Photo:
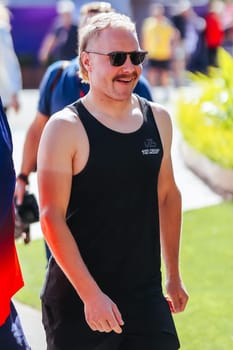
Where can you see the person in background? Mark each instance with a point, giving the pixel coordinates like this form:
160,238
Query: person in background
92,8
179,57
191,28
61,42
158,38
10,72
12,336
110,205
60,86
214,32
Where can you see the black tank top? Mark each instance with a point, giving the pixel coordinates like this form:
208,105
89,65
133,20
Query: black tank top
113,208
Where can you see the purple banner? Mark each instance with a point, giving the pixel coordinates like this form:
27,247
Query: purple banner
29,26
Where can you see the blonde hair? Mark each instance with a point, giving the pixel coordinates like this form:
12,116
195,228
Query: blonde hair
95,26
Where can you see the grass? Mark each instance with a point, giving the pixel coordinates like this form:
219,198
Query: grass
206,261
33,264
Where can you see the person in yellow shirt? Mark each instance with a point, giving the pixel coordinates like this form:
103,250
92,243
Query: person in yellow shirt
158,38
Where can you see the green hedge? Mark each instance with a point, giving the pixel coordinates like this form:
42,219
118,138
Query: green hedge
204,112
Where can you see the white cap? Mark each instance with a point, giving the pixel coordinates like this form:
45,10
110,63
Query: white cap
180,7
65,6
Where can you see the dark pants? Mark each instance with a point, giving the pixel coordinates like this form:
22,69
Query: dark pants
212,56
162,341
148,326
12,336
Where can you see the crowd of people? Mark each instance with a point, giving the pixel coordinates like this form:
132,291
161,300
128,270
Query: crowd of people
117,213
180,40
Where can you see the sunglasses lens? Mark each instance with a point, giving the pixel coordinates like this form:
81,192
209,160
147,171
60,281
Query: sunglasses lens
117,58
137,57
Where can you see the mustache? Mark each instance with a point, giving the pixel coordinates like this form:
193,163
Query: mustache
126,76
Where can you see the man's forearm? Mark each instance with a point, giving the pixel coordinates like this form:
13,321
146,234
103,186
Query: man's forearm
29,159
31,144
170,226
29,155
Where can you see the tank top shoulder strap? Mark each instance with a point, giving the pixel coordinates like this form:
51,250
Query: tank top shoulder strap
146,108
78,109
148,115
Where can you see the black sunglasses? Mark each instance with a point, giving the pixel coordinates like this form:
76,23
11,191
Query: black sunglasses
118,58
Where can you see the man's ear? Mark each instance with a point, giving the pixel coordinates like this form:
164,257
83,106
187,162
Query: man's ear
85,58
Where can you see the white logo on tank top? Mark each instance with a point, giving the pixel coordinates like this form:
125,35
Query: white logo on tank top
150,147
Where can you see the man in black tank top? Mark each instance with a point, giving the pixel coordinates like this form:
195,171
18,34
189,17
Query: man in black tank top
109,206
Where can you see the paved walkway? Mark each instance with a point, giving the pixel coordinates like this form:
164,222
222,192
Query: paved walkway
194,192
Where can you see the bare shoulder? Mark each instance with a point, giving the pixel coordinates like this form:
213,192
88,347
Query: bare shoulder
161,114
162,117
65,136
63,123
64,116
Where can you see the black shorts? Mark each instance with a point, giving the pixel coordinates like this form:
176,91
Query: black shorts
148,326
160,64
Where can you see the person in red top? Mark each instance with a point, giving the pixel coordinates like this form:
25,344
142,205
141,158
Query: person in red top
213,32
11,333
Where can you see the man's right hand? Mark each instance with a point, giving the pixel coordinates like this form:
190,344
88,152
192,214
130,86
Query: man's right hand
102,314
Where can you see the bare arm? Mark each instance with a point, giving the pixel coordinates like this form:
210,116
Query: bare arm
170,218
30,153
47,47
55,171
15,104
